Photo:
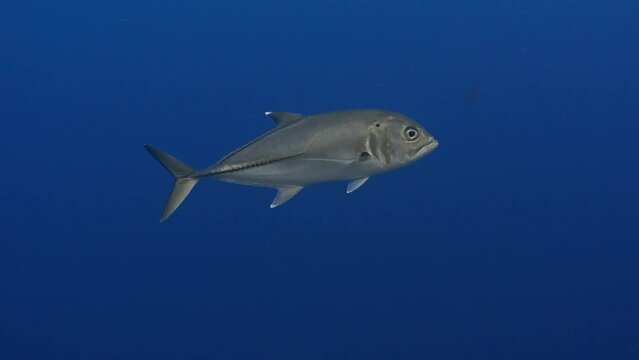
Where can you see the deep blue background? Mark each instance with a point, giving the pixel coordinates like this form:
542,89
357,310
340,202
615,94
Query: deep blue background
517,239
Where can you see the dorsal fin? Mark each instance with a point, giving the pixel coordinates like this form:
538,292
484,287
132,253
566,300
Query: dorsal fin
282,117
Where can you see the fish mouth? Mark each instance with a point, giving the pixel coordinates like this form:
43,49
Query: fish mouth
427,148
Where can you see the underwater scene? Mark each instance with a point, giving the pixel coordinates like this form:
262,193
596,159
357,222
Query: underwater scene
328,179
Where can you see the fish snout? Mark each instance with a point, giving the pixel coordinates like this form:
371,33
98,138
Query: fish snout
433,142
430,145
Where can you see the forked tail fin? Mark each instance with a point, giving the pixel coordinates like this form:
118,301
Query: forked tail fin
184,179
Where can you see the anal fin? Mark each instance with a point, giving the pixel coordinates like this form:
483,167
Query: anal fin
284,194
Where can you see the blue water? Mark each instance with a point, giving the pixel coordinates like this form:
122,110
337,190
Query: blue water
518,238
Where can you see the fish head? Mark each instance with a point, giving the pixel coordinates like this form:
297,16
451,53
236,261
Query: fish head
396,140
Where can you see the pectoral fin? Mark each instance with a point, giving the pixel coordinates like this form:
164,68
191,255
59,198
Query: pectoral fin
284,194
355,184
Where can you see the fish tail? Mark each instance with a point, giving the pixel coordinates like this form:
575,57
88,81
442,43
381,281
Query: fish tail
185,179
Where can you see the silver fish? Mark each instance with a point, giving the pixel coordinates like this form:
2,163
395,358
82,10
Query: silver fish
302,150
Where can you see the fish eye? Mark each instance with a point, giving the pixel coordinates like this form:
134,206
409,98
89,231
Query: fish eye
411,134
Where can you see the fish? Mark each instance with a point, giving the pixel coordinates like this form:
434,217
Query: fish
472,94
348,145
